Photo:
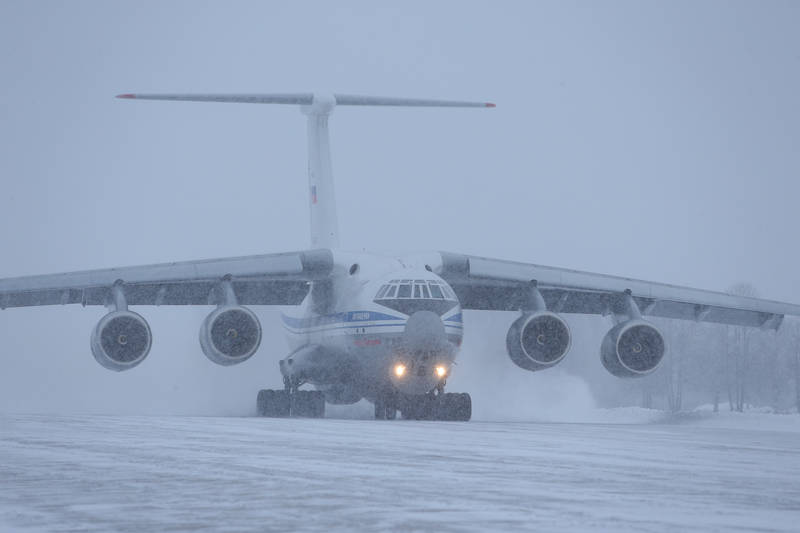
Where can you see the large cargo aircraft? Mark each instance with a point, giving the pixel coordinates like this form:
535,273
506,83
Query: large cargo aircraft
382,327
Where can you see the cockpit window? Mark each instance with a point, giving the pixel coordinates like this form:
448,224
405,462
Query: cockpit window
449,294
383,291
436,291
404,291
391,292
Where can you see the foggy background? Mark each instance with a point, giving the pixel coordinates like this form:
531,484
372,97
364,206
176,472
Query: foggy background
650,140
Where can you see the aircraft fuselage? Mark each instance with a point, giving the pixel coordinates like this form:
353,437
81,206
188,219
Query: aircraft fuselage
382,323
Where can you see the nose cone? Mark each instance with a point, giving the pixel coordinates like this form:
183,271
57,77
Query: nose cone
424,332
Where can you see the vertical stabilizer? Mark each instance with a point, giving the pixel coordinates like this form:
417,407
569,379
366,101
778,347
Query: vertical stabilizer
321,194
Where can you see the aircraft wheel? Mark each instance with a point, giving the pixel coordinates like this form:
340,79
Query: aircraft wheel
462,410
453,407
385,407
273,403
380,408
308,404
418,407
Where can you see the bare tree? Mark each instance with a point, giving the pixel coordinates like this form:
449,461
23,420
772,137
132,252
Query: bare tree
737,356
682,337
797,380
647,392
794,355
717,355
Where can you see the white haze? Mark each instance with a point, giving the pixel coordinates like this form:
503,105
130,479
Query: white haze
651,140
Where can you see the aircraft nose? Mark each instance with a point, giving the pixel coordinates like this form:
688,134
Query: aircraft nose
424,331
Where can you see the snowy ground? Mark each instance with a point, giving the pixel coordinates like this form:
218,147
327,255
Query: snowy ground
112,473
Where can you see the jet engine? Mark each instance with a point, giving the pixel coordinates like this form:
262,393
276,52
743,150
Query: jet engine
538,341
121,340
632,348
230,335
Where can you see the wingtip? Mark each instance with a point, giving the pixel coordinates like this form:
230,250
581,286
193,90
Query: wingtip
489,104
126,95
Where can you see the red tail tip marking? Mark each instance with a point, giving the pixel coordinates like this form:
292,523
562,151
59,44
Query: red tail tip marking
489,104
128,95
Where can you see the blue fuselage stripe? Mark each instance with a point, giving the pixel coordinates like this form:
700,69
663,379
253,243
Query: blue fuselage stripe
353,319
337,318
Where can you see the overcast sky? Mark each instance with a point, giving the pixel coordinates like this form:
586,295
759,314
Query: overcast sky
656,140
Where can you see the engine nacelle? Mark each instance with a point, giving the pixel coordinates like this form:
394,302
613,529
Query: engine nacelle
121,340
632,348
538,341
230,335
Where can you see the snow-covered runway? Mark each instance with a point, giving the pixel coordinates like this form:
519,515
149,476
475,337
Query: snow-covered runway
109,473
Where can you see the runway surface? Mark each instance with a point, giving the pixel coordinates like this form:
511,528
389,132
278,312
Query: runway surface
108,473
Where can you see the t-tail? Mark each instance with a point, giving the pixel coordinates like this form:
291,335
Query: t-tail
317,107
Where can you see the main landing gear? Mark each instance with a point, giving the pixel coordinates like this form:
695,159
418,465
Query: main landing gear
290,402
436,405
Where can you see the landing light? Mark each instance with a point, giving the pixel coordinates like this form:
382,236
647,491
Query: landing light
400,370
441,371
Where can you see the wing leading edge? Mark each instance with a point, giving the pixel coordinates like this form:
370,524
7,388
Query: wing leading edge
492,284
273,279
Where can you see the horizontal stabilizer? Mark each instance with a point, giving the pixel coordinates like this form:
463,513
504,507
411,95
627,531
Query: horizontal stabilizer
317,107
306,99
352,99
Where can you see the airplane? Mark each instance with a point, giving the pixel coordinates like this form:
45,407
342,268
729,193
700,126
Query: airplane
383,327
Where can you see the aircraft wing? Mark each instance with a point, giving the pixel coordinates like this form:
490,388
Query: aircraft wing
273,279
492,284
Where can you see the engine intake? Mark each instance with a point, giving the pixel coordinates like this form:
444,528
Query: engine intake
230,335
538,341
632,348
121,340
